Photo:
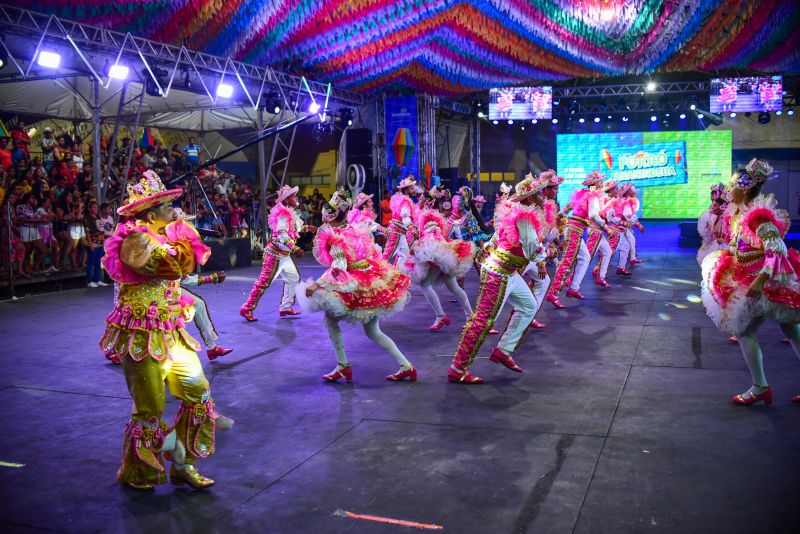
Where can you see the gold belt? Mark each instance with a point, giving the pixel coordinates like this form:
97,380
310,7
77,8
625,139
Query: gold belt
508,261
360,265
749,257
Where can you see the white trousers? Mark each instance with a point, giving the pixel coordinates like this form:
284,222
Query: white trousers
624,249
400,253
288,273
203,322
581,265
604,249
519,295
540,288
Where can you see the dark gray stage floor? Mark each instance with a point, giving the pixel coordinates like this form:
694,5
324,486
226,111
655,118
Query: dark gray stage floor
621,422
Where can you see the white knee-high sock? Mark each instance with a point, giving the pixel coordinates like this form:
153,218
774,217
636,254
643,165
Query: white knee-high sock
335,333
752,356
430,294
459,294
373,331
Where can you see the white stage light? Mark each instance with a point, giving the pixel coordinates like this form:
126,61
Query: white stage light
597,119
225,90
555,121
313,107
653,118
581,120
118,72
651,86
683,115
510,121
47,59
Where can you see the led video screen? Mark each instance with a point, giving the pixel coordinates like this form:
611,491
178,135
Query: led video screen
754,93
672,171
521,103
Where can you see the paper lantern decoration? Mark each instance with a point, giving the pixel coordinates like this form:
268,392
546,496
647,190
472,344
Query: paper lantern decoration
677,157
607,158
403,146
428,172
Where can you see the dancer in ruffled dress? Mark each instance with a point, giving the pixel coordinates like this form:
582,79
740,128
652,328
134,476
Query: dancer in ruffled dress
359,287
435,258
756,280
712,225
401,228
517,244
147,257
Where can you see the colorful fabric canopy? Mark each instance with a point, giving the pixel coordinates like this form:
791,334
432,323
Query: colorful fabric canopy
446,47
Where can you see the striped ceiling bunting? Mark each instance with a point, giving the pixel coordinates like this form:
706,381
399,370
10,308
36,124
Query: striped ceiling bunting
455,47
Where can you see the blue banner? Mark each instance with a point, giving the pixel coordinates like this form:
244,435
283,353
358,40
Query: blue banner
402,140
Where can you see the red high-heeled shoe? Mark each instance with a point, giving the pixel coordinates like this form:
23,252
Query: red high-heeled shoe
553,299
217,351
635,261
623,272
601,282
411,374
439,324
498,356
247,314
741,400
493,331
288,313
454,374
537,324
733,339
575,294
336,374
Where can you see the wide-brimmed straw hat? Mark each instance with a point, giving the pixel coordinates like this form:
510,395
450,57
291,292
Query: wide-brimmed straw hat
361,199
147,193
594,178
410,181
286,191
529,186
552,178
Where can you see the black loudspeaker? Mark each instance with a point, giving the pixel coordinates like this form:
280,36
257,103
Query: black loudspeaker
227,253
450,178
359,152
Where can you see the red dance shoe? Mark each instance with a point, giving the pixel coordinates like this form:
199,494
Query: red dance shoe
636,261
553,299
741,400
455,374
247,314
336,374
439,324
114,359
601,282
289,313
537,324
493,331
411,374
572,293
623,272
217,351
785,341
733,339
505,360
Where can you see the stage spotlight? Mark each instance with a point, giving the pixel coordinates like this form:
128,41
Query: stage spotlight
779,113
597,119
523,127
651,86
624,119
495,122
555,121
481,114
573,107
510,121
608,117
790,112
733,114
313,107
764,117
691,102
535,121
48,59
225,90
683,115
346,115
273,102
3,58
118,72
653,118
581,120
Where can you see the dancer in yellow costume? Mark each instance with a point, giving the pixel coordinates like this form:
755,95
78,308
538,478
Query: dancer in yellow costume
147,257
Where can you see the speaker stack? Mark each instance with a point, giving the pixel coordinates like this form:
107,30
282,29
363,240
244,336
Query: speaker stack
359,154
